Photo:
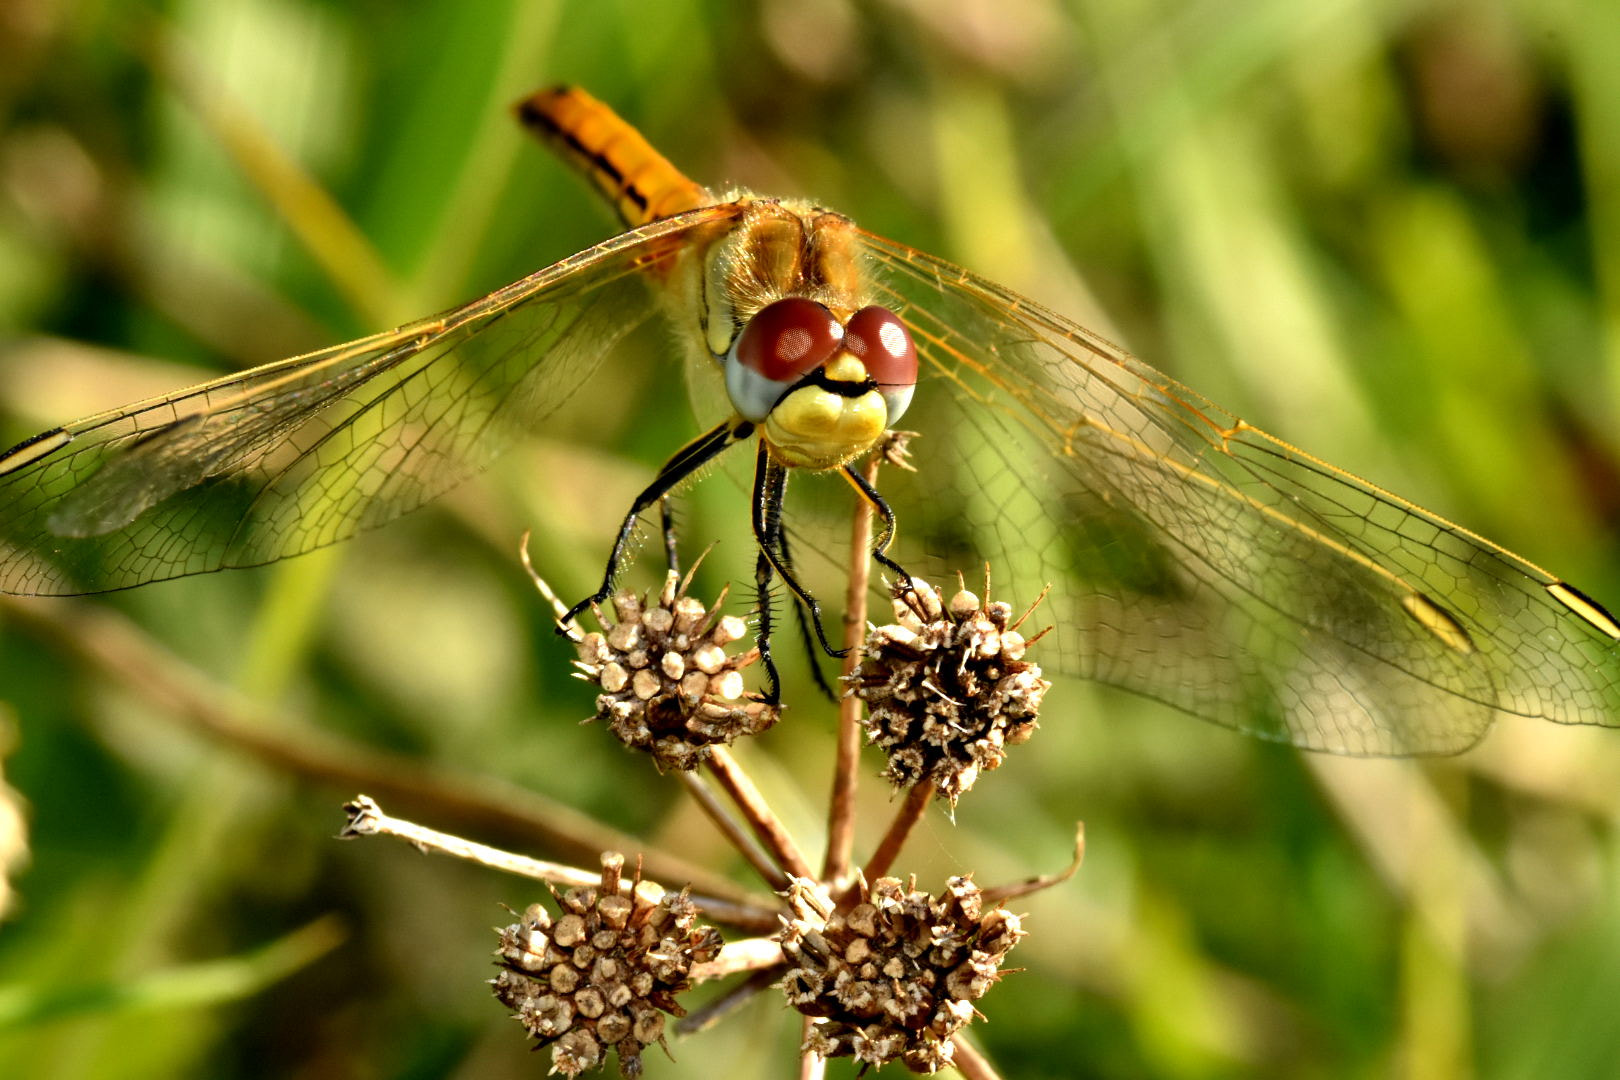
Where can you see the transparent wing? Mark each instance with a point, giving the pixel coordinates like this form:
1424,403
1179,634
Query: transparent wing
1197,560
301,453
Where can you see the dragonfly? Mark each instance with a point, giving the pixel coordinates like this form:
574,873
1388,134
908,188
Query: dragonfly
1191,557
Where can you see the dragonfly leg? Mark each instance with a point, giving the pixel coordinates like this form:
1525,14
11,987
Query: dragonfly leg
666,516
805,638
686,461
770,481
762,639
880,506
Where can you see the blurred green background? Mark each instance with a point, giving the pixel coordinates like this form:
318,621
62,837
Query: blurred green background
1387,231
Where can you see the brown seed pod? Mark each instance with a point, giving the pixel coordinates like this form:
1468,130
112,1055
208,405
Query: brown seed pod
605,973
894,977
947,688
668,686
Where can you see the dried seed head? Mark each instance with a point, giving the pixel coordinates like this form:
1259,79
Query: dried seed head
603,974
668,686
947,688
895,976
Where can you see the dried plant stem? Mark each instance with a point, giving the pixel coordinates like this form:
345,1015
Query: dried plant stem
115,648
733,999
1003,893
970,1063
757,812
811,1066
905,819
366,818
841,804
733,831
750,954
569,630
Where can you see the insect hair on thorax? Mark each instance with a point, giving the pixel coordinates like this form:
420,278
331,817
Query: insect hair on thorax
775,248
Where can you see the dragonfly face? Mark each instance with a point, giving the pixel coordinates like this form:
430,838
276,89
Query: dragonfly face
824,390
782,310
1193,558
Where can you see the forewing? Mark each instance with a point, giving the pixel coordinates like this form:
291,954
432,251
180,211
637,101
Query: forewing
304,452
1199,561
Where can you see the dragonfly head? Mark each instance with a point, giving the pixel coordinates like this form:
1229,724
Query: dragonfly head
824,390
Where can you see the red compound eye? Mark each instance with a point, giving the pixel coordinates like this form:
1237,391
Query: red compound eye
789,339
881,341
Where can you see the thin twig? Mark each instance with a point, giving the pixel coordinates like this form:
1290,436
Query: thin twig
366,818
733,831
570,630
841,804
750,954
1003,893
970,1062
905,819
115,648
757,812
736,997
811,1066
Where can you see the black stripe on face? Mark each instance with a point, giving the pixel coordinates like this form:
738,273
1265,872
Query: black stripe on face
841,387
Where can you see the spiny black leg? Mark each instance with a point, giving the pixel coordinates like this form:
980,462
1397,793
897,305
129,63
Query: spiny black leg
687,460
880,547
805,639
762,639
667,518
770,482
762,585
